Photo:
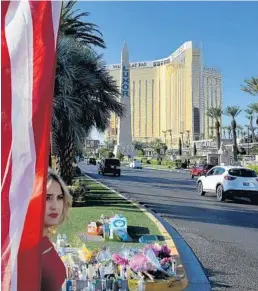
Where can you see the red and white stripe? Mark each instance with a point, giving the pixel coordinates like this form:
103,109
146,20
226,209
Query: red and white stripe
29,34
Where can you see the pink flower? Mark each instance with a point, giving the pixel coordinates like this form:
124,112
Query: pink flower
139,263
165,261
156,249
119,260
165,250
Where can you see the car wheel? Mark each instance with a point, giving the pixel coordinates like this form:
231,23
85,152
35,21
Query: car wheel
200,189
220,193
254,200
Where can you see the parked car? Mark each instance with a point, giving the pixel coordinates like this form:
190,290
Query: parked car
228,182
136,165
92,161
200,170
109,166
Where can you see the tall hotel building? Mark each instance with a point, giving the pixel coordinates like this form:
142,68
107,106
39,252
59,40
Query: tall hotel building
211,97
168,97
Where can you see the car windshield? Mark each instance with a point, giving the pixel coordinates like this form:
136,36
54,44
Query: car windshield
208,167
112,162
242,173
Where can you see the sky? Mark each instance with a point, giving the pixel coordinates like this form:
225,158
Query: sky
153,30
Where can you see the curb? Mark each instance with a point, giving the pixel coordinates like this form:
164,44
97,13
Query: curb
195,278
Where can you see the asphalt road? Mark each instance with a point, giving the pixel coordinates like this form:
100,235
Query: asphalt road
224,236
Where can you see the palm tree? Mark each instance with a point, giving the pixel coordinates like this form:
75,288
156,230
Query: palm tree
233,112
251,86
85,95
138,145
254,107
157,145
180,146
229,131
72,25
216,113
224,131
250,117
239,131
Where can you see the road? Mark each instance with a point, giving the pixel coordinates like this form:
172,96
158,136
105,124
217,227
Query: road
224,236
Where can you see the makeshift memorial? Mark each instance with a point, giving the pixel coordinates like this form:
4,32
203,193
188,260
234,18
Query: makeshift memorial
129,269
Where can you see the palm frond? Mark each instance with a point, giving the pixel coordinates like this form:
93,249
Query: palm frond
215,112
251,86
232,111
72,25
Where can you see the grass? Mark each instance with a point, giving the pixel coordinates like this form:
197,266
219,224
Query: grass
157,166
100,200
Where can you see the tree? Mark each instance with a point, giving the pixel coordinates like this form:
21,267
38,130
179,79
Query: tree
224,131
254,107
180,146
194,149
157,145
251,86
254,150
72,25
110,144
233,112
84,96
250,116
229,131
138,145
120,156
239,131
216,113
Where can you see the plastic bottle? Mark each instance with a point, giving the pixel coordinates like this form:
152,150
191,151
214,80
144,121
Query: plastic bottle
58,239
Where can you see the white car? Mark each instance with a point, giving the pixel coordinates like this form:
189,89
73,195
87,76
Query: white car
136,165
229,181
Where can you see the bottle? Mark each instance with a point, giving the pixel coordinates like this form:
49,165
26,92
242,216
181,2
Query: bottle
58,239
64,240
69,285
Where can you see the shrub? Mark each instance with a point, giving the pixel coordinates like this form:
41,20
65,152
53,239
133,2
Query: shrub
120,156
253,167
79,192
140,153
178,163
168,163
155,162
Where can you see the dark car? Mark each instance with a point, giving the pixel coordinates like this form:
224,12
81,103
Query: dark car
92,161
200,170
110,166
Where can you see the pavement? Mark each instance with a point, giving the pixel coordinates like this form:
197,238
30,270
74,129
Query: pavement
223,236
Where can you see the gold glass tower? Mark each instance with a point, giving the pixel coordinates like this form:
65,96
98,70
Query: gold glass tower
166,97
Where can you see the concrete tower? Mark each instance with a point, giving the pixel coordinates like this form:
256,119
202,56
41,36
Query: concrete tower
124,134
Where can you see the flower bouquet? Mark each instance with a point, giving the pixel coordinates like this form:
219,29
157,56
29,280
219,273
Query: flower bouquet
129,269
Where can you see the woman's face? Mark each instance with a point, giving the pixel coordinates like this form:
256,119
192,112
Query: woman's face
54,204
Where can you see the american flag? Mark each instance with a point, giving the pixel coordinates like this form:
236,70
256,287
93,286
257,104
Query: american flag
28,41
